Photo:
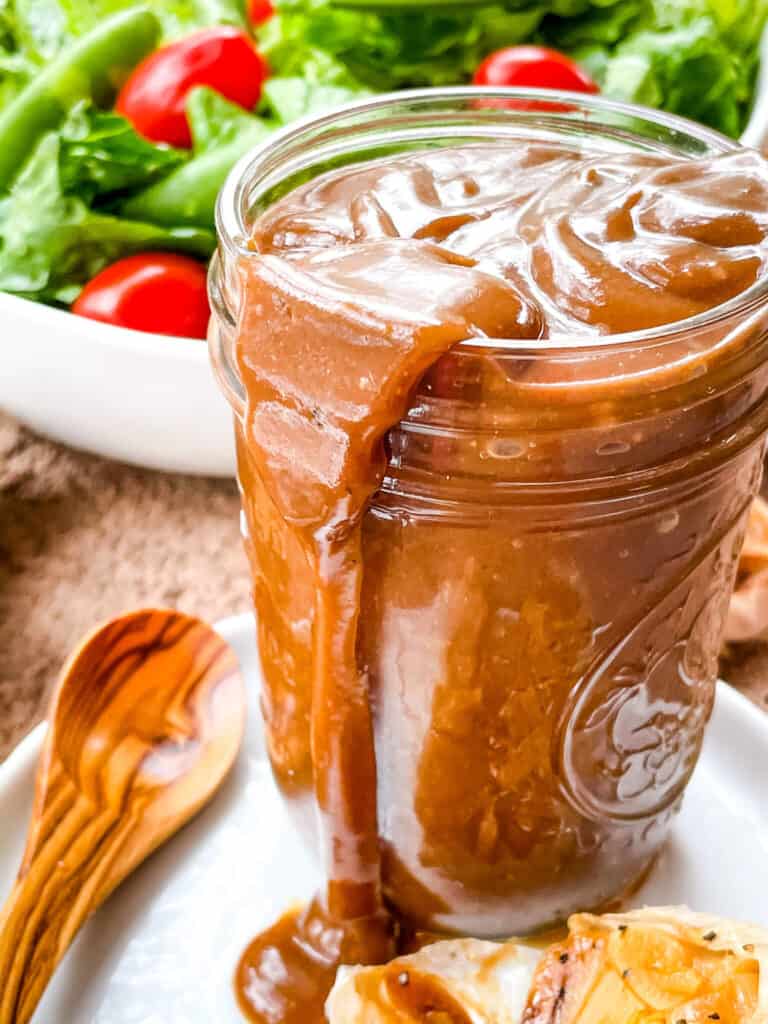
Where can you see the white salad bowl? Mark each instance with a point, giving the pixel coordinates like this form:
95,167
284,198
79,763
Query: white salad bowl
144,399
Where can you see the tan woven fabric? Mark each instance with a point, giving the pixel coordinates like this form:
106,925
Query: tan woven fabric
82,539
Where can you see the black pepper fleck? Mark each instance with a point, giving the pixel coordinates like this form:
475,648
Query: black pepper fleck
710,936
403,978
714,1016
622,927
563,958
625,973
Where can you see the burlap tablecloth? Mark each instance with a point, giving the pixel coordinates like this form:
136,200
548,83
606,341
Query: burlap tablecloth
82,539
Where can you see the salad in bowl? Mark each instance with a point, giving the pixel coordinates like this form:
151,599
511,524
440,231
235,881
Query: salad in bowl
119,123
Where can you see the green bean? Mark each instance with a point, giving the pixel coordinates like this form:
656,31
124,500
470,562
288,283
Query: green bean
94,67
188,194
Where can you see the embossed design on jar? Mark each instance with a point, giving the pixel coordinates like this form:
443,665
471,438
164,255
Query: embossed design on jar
631,733
638,746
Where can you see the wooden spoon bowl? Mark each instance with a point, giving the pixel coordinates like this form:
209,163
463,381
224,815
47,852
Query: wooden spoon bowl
145,723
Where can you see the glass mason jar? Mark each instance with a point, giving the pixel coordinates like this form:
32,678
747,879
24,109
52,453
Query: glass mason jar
547,565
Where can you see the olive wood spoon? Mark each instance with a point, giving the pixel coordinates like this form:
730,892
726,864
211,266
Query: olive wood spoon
145,722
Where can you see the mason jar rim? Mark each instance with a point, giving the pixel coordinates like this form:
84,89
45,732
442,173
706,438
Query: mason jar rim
234,203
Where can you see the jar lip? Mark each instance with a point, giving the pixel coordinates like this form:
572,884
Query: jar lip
231,205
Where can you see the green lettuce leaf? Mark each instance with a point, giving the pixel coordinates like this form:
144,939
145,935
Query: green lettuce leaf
381,50
51,243
176,16
287,99
698,58
215,122
15,66
101,154
41,29
598,25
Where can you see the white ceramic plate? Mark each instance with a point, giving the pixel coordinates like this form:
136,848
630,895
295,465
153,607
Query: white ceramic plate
162,951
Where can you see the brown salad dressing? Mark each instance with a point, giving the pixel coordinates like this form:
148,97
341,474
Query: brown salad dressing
360,282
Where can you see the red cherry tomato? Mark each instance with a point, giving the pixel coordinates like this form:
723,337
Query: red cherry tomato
260,11
154,291
533,67
154,97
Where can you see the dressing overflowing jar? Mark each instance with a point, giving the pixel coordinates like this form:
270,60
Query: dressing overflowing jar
500,403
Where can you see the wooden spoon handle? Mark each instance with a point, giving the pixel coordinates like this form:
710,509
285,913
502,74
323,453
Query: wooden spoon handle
54,895
144,726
